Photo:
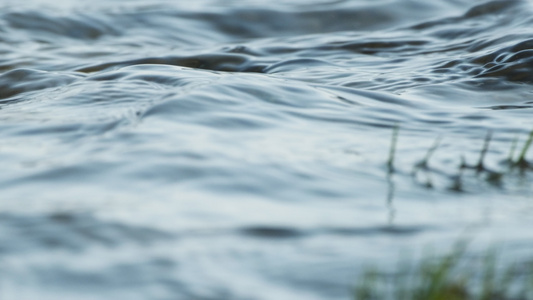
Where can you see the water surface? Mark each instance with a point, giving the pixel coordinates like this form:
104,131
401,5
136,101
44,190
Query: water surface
237,149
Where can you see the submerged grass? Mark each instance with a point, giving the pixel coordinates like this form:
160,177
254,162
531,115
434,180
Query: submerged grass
481,171
458,275
455,276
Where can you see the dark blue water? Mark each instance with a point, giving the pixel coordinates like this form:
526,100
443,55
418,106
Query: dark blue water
238,149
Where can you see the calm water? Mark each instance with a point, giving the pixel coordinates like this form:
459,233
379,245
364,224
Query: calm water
221,149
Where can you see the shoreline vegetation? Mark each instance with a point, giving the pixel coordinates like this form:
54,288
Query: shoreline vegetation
458,275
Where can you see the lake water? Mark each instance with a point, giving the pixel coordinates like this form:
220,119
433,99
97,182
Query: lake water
220,149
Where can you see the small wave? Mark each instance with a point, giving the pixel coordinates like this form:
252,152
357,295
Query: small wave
20,81
50,26
213,62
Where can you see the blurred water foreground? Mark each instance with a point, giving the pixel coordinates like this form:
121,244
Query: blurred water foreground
222,149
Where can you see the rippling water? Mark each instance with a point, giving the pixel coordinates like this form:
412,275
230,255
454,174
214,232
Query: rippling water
237,149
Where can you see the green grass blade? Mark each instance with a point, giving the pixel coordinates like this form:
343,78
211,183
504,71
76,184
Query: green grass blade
480,166
522,157
513,149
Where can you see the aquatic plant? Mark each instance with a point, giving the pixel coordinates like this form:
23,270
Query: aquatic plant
521,162
454,276
493,177
512,150
480,167
392,150
423,164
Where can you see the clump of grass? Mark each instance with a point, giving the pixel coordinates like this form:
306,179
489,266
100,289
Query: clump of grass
455,276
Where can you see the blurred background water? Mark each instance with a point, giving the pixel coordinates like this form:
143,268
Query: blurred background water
222,149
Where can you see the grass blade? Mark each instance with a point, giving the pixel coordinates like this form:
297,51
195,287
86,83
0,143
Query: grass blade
392,150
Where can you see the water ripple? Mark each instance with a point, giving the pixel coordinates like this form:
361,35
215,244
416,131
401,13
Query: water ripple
223,149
